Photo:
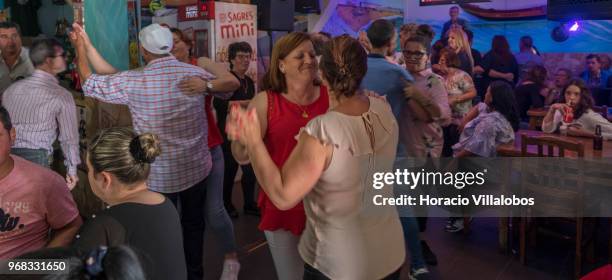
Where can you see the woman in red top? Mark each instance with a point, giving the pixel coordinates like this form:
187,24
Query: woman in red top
215,213
292,97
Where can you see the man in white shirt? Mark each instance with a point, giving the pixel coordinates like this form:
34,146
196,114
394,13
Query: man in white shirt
44,111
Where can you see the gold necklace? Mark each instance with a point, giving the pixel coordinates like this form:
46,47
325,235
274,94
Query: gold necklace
304,112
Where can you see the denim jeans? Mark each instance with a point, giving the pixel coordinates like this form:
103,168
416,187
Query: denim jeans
413,242
214,210
410,225
38,156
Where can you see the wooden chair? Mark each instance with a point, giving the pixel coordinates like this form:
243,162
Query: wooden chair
536,116
503,223
538,181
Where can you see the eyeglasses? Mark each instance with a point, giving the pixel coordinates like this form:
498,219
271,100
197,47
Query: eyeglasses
243,56
408,53
64,55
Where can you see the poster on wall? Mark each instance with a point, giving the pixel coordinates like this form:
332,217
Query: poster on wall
133,34
236,23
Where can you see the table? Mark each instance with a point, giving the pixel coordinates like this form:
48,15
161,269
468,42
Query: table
514,150
536,116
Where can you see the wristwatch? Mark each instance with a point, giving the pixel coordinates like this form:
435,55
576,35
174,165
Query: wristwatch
209,86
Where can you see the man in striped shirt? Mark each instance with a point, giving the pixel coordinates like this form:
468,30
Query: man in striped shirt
159,106
40,107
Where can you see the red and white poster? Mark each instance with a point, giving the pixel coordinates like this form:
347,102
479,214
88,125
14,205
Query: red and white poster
235,23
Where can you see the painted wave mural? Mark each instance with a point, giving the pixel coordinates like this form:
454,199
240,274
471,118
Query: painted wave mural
593,36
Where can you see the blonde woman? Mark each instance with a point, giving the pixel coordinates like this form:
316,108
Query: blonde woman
119,163
458,42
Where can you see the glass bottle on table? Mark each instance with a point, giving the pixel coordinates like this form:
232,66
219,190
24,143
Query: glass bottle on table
598,140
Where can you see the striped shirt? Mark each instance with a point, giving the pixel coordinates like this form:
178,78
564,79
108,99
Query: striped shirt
40,108
158,106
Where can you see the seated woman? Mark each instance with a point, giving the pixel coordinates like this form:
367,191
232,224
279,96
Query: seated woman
489,124
532,92
331,169
577,100
485,127
119,162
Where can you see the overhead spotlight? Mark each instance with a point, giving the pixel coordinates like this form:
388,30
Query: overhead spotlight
559,33
574,27
562,32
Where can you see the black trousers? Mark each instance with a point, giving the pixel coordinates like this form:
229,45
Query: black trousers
190,204
247,182
311,273
451,137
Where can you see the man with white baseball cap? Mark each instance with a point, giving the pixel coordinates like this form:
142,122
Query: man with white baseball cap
156,39
158,106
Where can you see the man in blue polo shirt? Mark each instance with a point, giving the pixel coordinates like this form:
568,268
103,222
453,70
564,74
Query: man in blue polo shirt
384,77
389,80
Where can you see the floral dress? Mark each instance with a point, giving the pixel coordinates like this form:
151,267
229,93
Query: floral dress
457,83
482,135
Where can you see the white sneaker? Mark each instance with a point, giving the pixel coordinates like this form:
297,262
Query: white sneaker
419,274
230,270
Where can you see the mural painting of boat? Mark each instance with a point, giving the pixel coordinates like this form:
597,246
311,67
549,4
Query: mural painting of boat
359,15
538,12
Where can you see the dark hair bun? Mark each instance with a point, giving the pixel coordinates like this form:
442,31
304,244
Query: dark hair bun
343,64
145,148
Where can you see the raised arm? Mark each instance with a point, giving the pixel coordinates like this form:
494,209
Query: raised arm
100,65
81,54
260,103
288,187
552,119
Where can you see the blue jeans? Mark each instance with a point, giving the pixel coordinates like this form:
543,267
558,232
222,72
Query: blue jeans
38,156
410,226
413,242
200,204
216,215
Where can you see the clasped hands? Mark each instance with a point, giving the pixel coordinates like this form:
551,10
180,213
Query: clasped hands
243,126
